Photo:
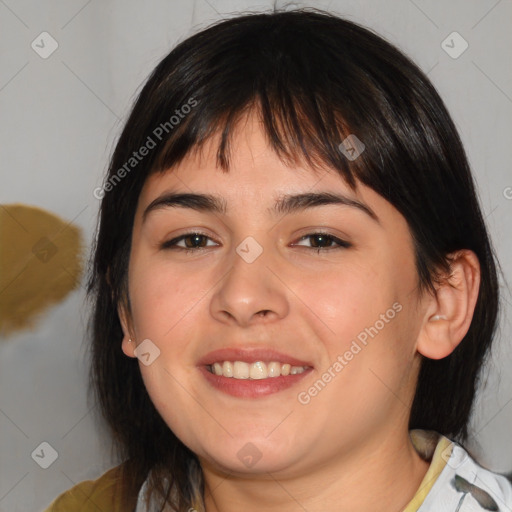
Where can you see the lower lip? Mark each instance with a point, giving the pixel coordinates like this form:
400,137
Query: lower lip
252,388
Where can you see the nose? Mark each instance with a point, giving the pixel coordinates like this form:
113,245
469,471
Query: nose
250,293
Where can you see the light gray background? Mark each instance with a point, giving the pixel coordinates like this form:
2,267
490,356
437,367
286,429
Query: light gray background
60,117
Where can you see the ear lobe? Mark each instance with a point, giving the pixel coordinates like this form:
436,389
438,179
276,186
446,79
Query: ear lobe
127,345
449,314
435,340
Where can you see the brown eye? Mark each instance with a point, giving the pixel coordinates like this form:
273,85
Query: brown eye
191,242
325,241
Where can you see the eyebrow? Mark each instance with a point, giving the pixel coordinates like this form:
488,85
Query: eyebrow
284,204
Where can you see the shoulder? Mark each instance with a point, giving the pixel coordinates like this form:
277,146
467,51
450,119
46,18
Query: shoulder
464,485
100,494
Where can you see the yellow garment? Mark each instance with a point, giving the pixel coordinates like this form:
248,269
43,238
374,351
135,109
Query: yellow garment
426,443
100,495
103,494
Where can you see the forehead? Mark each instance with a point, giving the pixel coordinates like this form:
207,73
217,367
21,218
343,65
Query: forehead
255,169
258,179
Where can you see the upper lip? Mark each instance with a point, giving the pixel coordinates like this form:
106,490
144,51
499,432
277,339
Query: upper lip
250,355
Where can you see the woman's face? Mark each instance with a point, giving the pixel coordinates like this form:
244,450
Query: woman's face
260,284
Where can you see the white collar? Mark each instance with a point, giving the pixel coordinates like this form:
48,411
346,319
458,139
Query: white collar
462,486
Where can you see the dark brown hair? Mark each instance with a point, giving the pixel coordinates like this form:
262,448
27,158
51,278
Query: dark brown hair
313,78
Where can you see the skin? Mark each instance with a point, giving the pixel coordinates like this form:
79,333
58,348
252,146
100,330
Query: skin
352,436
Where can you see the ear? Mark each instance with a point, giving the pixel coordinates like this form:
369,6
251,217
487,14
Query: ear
128,343
448,314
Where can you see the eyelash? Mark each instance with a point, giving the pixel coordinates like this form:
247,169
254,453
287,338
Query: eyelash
171,244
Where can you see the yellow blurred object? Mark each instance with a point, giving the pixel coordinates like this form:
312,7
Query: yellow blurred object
40,263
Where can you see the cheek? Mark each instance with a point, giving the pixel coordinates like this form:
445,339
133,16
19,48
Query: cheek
165,307
365,321
163,298
341,302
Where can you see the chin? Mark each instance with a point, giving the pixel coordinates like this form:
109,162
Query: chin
251,463
251,455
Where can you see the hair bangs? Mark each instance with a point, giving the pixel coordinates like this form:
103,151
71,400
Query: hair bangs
300,131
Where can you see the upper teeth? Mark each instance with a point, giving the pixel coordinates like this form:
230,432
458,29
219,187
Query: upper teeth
257,370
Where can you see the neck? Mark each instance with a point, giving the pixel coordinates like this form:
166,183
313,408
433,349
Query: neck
382,475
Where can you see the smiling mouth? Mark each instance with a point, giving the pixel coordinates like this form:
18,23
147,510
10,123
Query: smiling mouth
254,371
